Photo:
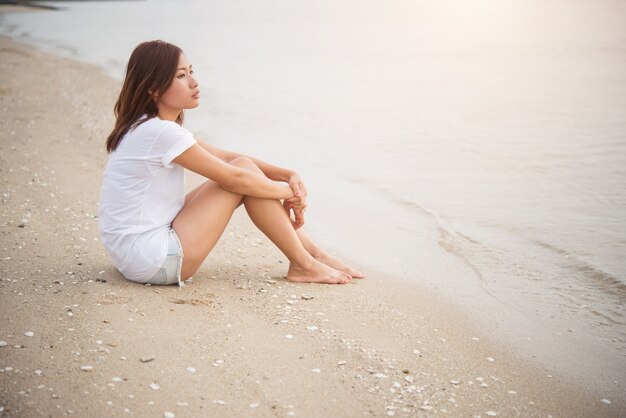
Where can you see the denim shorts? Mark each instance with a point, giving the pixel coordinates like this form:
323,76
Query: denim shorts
169,273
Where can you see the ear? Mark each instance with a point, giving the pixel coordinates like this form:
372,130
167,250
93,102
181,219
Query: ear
153,96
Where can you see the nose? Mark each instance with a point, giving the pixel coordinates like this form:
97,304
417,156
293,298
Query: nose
193,81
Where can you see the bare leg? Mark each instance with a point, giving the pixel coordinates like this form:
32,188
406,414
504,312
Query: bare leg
270,217
207,211
312,248
201,222
322,256
266,215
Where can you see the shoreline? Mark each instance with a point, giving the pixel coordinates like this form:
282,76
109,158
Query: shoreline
540,301
375,347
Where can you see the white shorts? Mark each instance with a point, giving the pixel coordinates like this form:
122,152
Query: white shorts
169,273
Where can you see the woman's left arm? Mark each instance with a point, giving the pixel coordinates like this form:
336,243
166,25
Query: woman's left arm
298,203
271,171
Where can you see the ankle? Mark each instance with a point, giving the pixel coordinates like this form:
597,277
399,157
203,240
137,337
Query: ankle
304,263
316,253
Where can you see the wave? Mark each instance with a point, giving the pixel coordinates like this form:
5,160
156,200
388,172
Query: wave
600,278
512,266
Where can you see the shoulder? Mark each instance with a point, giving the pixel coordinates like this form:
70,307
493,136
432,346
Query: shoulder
155,128
162,127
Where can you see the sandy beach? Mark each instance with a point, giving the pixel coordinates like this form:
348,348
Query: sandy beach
239,340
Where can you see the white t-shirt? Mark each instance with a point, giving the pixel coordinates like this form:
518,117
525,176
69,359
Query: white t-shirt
142,192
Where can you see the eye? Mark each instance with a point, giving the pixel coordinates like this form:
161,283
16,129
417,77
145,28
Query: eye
182,75
191,71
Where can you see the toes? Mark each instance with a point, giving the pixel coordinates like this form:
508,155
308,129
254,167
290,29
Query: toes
341,279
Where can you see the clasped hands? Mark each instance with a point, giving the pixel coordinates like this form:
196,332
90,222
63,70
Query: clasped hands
296,206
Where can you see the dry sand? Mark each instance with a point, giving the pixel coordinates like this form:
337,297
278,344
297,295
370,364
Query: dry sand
78,339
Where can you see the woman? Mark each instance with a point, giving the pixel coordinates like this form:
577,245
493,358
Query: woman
146,221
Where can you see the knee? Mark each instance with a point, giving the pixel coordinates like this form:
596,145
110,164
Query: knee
245,162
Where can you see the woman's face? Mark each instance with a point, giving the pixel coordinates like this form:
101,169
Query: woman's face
182,94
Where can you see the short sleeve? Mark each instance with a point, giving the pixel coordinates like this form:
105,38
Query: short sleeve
173,141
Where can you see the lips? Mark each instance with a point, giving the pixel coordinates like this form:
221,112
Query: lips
196,95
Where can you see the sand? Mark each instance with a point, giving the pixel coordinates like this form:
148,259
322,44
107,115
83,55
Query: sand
239,340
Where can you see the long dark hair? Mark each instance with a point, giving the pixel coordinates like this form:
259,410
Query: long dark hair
150,71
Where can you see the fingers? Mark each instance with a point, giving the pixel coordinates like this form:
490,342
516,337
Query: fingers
296,190
297,203
299,221
296,216
302,188
295,185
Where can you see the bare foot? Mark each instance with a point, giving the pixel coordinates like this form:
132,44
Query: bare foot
317,273
327,259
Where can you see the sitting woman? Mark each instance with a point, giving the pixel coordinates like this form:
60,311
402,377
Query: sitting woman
147,222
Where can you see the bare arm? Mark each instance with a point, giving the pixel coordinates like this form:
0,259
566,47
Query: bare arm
298,202
201,160
271,171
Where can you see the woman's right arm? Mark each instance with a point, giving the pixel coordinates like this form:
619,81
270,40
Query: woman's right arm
230,177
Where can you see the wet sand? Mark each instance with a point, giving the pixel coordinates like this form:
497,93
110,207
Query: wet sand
79,339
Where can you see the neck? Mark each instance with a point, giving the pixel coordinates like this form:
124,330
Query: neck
169,114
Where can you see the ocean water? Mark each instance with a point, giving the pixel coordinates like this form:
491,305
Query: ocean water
475,147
